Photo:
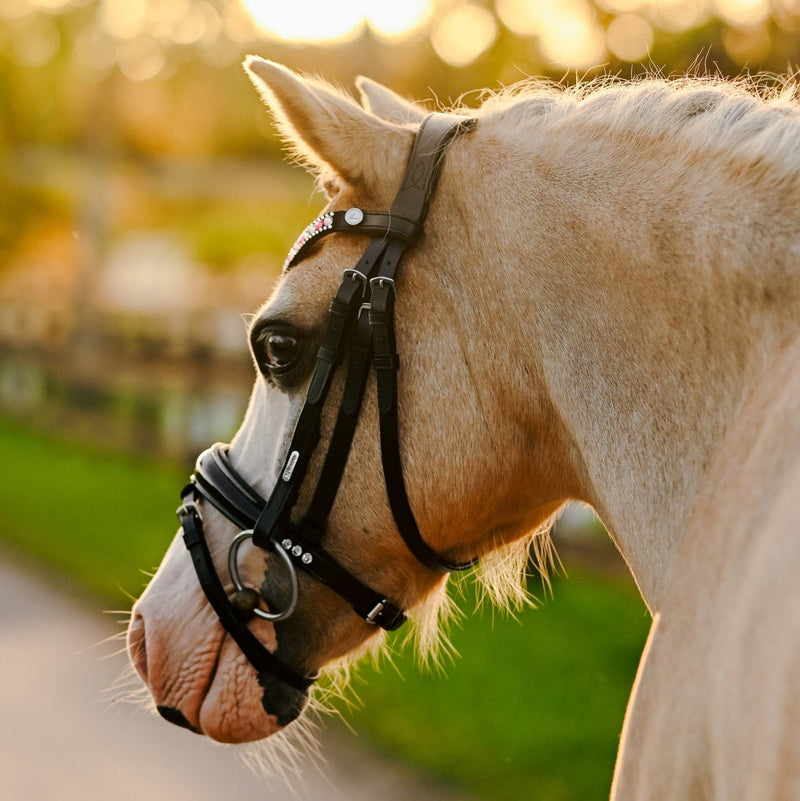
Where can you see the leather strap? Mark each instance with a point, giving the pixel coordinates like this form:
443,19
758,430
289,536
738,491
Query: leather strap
411,204
425,165
343,310
377,224
387,363
330,477
264,661
216,480
367,604
398,229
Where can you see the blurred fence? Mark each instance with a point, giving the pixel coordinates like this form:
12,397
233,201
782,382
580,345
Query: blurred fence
124,280
125,290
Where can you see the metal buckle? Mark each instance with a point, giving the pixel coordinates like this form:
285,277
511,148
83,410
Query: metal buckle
188,508
372,615
356,275
380,281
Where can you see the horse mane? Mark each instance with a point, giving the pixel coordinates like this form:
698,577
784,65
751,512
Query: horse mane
755,117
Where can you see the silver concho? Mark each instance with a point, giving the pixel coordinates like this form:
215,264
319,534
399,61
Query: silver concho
354,216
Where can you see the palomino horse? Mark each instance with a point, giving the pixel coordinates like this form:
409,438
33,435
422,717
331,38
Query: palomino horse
602,304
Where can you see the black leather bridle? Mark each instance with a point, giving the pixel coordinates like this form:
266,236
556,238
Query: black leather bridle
361,316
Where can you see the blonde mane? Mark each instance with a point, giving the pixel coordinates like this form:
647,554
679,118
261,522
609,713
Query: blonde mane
757,118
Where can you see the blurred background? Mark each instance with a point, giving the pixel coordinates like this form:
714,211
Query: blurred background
145,208
145,205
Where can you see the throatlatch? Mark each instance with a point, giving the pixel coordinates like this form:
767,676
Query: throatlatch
361,315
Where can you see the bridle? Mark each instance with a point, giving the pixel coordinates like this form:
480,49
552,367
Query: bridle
361,318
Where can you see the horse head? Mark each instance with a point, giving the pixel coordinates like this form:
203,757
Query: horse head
477,472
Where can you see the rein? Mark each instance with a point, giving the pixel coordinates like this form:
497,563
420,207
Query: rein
361,315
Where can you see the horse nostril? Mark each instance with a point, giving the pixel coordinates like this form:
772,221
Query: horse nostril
137,648
177,717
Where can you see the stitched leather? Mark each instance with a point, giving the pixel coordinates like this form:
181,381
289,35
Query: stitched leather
263,661
218,482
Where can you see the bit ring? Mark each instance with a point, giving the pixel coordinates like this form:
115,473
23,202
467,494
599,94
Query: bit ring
233,570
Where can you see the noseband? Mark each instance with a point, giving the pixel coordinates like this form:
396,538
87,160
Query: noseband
361,316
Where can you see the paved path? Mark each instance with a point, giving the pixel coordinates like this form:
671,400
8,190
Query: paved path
60,738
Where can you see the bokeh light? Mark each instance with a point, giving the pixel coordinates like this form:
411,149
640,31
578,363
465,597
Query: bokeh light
742,13
572,36
140,58
37,41
143,38
321,21
395,20
674,16
311,21
747,45
622,6
463,33
519,16
568,32
16,9
629,37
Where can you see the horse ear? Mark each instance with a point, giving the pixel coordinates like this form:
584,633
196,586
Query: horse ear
327,129
387,105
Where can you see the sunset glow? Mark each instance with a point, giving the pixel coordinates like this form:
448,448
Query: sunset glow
320,21
137,36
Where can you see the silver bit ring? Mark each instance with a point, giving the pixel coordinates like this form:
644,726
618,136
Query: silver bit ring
233,570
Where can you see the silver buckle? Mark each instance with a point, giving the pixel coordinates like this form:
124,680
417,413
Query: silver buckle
375,611
356,275
186,508
380,281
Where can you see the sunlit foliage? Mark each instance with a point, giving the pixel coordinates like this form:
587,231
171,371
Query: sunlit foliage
127,69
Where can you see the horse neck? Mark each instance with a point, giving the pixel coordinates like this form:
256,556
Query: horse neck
661,289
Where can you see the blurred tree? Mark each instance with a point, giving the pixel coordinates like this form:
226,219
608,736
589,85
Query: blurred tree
153,81
160,72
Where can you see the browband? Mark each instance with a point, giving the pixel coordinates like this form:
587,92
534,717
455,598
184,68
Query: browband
352,221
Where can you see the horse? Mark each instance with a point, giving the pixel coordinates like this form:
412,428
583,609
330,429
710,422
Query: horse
598,300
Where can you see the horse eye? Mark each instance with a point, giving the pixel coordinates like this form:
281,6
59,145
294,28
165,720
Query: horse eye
281,351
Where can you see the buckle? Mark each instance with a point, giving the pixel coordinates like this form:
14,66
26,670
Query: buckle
382,281
356,275
376,610
188,508
386,615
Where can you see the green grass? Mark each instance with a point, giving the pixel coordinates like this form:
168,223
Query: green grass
532,708
99,519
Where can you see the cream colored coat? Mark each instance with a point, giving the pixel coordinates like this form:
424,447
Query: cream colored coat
606,307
